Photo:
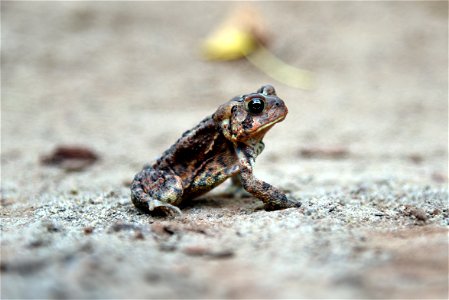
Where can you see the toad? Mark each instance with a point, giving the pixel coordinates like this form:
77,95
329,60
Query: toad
223,145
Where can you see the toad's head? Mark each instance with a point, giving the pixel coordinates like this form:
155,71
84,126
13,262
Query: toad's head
250,116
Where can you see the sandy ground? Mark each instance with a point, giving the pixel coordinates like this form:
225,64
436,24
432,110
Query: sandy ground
126,79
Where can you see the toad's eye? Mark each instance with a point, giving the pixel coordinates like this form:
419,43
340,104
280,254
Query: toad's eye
256,105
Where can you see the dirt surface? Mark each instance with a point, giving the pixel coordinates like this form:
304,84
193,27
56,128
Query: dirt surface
365,151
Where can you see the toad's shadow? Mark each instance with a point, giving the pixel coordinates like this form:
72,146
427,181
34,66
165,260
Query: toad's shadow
209,201
218,201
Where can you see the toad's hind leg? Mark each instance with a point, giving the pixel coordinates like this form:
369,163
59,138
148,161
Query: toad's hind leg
155,190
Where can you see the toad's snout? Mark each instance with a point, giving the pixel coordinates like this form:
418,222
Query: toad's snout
279,106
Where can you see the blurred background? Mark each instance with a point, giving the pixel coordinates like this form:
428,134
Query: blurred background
125,79
131,76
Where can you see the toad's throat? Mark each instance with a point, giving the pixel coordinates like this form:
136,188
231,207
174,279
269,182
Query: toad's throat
259,131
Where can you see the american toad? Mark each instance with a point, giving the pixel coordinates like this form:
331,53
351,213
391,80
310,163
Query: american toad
221,146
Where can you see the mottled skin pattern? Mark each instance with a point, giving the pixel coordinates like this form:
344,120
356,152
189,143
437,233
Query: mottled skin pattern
223,145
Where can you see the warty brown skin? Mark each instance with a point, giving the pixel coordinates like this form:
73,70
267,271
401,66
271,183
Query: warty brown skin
221,146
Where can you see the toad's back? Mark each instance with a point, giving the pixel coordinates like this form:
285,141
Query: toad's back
203,158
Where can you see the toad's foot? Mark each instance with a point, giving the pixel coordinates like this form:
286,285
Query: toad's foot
285,203
155,205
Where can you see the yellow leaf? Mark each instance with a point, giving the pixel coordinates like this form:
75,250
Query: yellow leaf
237,36
243,35
229,43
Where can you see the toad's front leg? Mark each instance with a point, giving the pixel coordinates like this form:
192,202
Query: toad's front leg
273,197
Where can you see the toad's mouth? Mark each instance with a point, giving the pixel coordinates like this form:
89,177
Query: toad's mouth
269,124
